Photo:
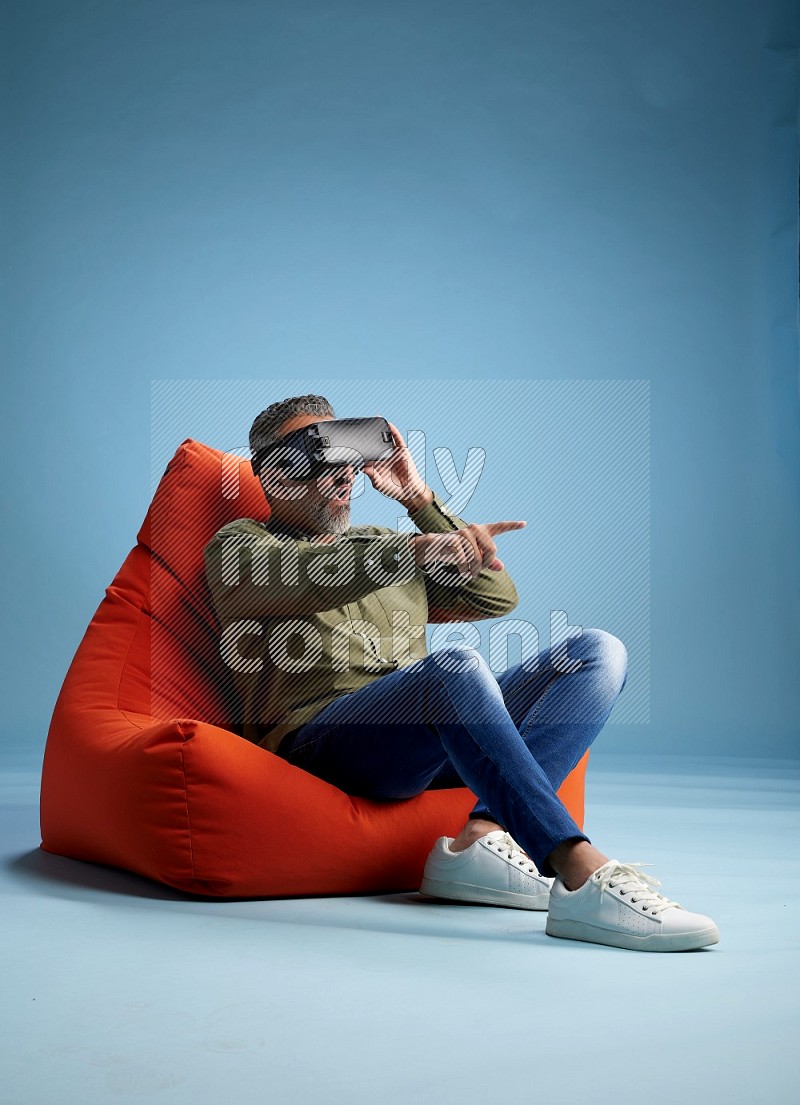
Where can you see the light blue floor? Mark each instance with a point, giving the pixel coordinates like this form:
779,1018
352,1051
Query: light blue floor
116,989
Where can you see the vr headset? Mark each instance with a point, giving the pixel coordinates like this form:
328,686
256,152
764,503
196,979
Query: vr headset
312,450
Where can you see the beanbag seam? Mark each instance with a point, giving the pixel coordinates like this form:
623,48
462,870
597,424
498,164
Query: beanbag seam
186,800
124,666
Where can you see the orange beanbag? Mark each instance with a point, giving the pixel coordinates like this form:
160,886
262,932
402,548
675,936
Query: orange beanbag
141,769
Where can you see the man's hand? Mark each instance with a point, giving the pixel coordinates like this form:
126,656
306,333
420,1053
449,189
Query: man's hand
457,557
396,476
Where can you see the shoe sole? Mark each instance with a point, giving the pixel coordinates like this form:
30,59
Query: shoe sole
656,942
482,895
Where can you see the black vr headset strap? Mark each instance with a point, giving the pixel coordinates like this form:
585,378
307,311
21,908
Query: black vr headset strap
297,441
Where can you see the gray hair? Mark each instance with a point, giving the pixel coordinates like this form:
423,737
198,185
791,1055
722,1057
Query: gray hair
267,426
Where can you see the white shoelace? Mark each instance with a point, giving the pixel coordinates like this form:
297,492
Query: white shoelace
635,883
507,843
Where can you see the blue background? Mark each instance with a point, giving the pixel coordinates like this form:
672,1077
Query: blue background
422,193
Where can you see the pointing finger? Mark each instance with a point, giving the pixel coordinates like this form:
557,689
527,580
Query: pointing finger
504,527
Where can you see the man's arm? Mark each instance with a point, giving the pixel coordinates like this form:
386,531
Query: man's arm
490,594
253,573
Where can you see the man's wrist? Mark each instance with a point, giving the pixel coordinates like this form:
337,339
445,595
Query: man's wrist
417,502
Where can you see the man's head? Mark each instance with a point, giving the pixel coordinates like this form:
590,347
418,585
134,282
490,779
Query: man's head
317,506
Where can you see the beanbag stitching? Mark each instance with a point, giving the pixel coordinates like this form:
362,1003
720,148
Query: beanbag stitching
136,724
186,800
124,665
186,737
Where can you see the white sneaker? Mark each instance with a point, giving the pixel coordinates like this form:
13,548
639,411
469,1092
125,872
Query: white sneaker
617,906
492,871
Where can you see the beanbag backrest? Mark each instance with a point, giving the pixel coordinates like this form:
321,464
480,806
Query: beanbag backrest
201,490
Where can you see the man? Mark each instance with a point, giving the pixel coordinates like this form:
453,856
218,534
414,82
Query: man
293,595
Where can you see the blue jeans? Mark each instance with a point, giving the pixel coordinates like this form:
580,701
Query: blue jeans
448,721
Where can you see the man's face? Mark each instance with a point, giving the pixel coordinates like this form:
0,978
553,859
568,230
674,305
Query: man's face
318,506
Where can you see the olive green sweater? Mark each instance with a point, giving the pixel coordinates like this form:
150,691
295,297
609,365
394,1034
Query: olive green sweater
304,622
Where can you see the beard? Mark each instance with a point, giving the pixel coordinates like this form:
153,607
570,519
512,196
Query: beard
330,516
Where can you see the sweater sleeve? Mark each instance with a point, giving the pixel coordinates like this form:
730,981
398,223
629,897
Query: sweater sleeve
490,594
253,573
